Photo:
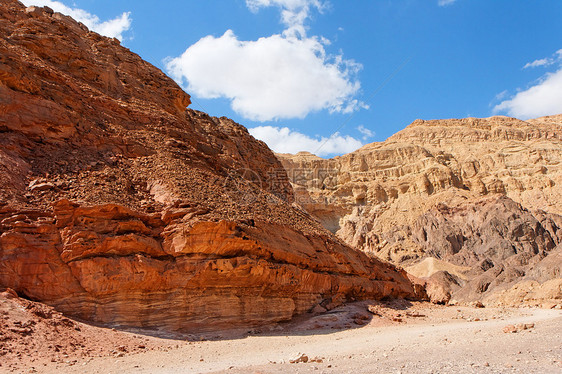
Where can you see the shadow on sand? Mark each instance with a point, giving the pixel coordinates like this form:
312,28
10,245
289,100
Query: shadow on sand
345,317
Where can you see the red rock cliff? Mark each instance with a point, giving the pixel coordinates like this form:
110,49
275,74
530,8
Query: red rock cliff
119,205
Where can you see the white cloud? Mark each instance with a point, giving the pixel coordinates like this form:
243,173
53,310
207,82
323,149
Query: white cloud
366,132
542,99
501,95
536,63
547,61
282,76
113,28
293,12
284,140
445,2
274,77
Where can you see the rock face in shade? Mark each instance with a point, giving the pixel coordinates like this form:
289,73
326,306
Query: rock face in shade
482,194
121,206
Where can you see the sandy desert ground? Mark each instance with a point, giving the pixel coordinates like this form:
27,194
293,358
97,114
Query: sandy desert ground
390,338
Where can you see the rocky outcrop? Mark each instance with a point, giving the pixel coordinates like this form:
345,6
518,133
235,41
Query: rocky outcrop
176,271
120,205
476,193
495,241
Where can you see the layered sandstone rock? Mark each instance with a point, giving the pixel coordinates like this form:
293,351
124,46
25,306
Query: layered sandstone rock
471,192
119,205
177,271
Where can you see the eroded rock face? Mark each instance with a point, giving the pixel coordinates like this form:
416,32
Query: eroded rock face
119,205
111,264
478,193
495,239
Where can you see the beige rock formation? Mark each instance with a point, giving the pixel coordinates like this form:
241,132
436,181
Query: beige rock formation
385,197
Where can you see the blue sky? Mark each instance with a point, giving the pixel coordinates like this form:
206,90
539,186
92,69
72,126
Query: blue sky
327,76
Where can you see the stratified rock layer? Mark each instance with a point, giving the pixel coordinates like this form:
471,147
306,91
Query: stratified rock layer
119,205
478,193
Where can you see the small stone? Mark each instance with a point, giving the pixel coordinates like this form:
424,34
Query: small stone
41,186
302,358
510,329
318,309
374,310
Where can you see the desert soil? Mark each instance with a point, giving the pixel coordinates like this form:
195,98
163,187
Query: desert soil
396,338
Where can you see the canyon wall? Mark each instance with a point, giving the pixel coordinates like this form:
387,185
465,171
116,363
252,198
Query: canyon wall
121,206
482,194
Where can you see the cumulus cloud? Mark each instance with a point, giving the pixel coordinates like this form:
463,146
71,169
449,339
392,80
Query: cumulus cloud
271,78
543,98
284,140
281,76
445,2
113,28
